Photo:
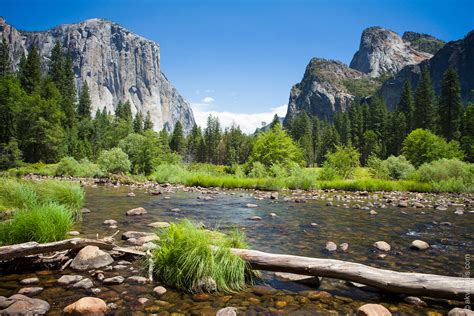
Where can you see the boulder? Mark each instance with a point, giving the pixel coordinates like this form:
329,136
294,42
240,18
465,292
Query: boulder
90,306
91,257
419,245
382,245
228,311
24,305
136,211
69,279
373,310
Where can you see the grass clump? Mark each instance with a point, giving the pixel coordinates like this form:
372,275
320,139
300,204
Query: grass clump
186,260
45,223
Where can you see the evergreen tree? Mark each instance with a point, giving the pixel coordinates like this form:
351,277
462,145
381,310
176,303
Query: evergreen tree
406,105
148,124
450,105
57,65
425,113
30,70
276,120
138,123
68,94
5,62
194,140
467,129
177,141
343,127
212,137
84,105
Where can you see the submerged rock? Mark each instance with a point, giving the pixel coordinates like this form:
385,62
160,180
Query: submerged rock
137,280
382,245
373,310
29,281
69,279
91,257
30,291
86,306
83,284
135,235
24,305
136,211
110,222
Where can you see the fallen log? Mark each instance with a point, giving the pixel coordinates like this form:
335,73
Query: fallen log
417,284
34,248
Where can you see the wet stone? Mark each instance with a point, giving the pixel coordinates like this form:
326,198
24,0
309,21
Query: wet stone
86,306
110,222
250,205
29,281
262,290
373,310
200,297
344,246
382,246
84,284
255,218
228,311
137,280
114,280
419,245
416,301
91,257
69,279
331,246
159,290
30,291
461,312
23,305
136,211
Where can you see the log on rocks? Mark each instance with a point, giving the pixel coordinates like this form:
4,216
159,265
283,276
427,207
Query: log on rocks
34,248
416,284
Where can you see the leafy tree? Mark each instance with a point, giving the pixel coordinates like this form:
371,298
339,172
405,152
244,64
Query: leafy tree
5,62
114,161
193,142
138,122
148,124
143,151
177,141
30,70
275,147
10,154
344,160
12,98
425,112
300,129
422,146
84,105
450,105
406,105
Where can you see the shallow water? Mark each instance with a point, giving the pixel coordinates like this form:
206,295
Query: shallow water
290,232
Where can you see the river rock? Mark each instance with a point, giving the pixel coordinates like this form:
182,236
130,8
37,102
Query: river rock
86,306
255,218
402,203
91,257
83,284
69,279
85,210
137,280
228,311
459,211
273,215
30,291
303,279
461,312
419,245
382,245
110,222
135,235
143,240
373,310
344,246
114,280
372,212
74,233
250,205
416,301
29,281
274,196
143,300
205,285
136,211
159,290
159,224
130,194
262,290
331,246
24,305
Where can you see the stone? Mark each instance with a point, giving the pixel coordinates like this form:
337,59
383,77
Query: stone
137,280
382,245
331,246
136,211
143,300
29,281
372,212
280,304
96,290
402,203
143,240
85,210
86,306
91,257
298,278
227,311
200,297
461,312
419,245
250,205
24,305
69,279
30,291
130,194
159,225
84,284
373,310
110,222
159,290
316,295
114,280
255,218
205,285
262,290
416,301
441,208
273,215
175,209
73,233
135,235
274,196
459,211
344,246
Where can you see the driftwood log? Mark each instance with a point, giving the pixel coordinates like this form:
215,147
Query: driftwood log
387,280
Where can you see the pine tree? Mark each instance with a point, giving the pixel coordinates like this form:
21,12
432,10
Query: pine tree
194,140
138,123
212,137
84,105
5,62
177,141
450,105
425,113
148,124
467,129
30,70
406,105
276,120
56,65
68,93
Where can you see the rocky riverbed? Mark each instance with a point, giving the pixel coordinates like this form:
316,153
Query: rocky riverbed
427,233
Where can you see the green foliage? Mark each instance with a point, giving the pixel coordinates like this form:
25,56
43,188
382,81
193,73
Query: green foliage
212,137
148,124
425,112
450,105
185,259
30,70
5,62
363,87
10,155
450,175
258,170
393,168
138,123
177,141
343,161
68,166
467,129
84,105
43,223
114,161
422,146
406,106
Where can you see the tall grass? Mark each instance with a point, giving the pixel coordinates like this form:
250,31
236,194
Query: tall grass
185,259
44,223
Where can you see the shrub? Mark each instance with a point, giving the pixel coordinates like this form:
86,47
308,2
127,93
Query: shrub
169,173
258,170
44,223
394,168
327,174
185,259
67,166
278,171
422,146
447,175
114,161
343,161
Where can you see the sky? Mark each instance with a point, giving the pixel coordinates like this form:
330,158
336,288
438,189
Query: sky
239,59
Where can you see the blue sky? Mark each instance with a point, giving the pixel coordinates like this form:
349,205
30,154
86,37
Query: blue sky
243,56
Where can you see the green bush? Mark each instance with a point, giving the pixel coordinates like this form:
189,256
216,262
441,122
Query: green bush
278,171
258,170
44,223
186,261
449,175
114,161
67,166
393,168
169,173
344,160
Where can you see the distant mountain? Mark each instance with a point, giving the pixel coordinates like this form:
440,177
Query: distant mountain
117,65
423,42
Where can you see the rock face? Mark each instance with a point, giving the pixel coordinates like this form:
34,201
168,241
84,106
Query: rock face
458,54
323,89
423,42
117,65
384,51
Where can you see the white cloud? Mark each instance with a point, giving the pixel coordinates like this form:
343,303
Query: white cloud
247,122
208,100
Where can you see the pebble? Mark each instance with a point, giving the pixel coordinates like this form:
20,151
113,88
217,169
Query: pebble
250,205
200,297
74,233
372,212
273,215
416,301
228,311
110,222
143,300
344,246
159,290
130,194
